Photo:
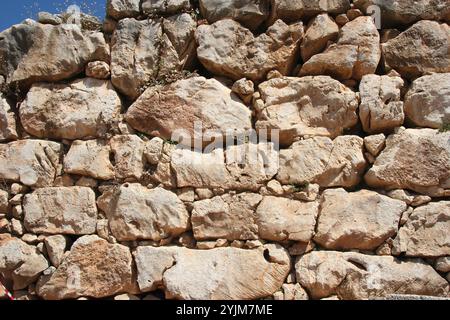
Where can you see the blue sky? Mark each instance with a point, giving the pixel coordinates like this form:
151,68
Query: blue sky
15,11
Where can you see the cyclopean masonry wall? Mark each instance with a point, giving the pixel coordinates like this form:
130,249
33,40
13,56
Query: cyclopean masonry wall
107,191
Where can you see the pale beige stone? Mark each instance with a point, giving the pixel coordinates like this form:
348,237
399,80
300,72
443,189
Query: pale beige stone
119,9
356,53
319,32
415,159
61,210
280,219
148,51
167,7
136,212
34,163
98,70
227,49
323,161
381,108
93,268
293,10
238,274
427,103
306,106
56,246
355,276
375,144
85,108
90,158
129,161
425,234
4,201
8,130
421,49
172,111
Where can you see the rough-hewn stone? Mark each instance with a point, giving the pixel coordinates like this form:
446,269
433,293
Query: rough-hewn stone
238,274
319,32
8,130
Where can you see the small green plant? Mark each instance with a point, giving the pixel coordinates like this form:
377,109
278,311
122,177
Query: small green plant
445,127
171,142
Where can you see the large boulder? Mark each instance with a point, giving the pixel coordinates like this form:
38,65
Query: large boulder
34,163
415,159
26,58
357,220
320,160
129,161
230,217
293,10
8,130
93,268
250,13
421,49
356,53
61,210
425,234
173,111
427,103
381,108
355,276
23,263
146,52
227,49
135,212
405,12
119,9
281,219
305,106
164,7
85,108
237,274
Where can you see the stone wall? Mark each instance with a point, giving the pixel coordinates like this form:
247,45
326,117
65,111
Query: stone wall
347,196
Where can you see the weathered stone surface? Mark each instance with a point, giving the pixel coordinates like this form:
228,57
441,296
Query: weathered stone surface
306,106
61,210
8,129
405,12
129,156
93,268
34,163
375,144
98,70
323,161
151,7
280,219
381,108
230,217
242,167
119,9
421,49
89,158
250,13
426,233
55,247
147,51
135,212
85,108
293,10
26,58
443,264
171,111
3,201
23,262
415,159
352,275
357,220
319,31
356,53
228,49
427,103
238,274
